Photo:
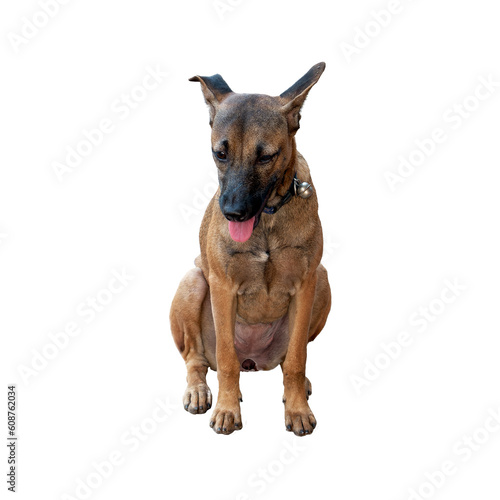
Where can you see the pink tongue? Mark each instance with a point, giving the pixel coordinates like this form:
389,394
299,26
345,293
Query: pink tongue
241,231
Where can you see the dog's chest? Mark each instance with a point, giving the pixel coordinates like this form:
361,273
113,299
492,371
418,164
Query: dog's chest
267,280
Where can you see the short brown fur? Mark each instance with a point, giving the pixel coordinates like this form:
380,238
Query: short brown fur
274,278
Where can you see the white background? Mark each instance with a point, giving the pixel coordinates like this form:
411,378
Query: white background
134,203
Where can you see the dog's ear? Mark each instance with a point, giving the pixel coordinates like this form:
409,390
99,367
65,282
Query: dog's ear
295,96
214,89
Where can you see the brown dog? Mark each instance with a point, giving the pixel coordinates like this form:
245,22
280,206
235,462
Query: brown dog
258,293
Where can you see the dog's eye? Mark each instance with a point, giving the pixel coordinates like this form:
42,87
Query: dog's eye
265,158
221,155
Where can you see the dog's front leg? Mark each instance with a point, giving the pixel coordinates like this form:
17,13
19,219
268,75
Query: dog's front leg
298,416
226,417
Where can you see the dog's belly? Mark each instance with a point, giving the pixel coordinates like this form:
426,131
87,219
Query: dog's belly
261,346
262,306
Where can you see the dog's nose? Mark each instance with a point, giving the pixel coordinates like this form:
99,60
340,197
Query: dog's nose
234,215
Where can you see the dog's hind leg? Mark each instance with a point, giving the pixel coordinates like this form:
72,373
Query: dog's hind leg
185,323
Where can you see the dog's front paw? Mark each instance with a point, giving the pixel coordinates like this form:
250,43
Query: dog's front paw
299,419
197,399
226,418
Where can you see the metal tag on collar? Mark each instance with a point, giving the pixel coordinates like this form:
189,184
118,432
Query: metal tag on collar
303,189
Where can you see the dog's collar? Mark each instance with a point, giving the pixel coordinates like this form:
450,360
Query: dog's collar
297,188
285,199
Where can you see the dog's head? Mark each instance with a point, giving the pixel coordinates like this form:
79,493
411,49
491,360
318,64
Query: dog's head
253,145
